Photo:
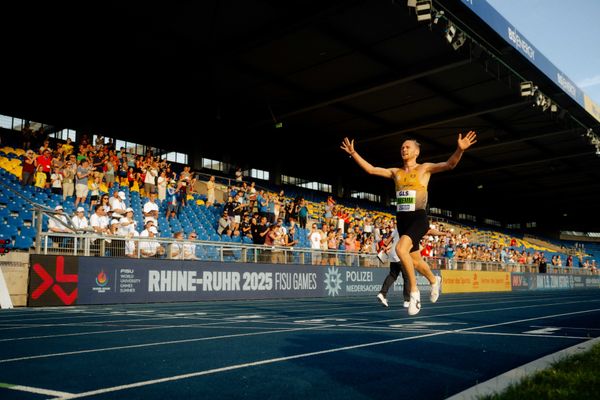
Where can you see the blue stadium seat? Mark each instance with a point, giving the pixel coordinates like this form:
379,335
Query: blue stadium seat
23,242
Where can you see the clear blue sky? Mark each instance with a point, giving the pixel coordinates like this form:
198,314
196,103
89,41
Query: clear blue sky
567,32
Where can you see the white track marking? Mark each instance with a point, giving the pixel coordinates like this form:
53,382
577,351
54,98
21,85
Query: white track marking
265,332
153,344
524,335
567,327
475,312
543,331
35,390
302,355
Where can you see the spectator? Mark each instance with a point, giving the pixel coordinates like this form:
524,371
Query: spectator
260,231
189,248
105,204
210,191
109,174
150,248
314,237
302,213
59,223
68,172
81,182
176,248
80,222
542,266
172,200
94,190
151,174
45,162
40,178
161,184
449,254
29,167
246,226
99,220
223,223
238,175
117,204
151,209
127,228
56,178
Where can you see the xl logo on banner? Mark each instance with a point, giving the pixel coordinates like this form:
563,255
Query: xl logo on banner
53,282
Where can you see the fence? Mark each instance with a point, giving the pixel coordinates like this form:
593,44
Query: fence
91,244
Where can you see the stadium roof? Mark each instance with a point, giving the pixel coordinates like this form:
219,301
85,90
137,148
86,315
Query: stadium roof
212,78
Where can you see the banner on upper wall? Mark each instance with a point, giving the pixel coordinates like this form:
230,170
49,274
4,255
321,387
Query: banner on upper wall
517,40
475,281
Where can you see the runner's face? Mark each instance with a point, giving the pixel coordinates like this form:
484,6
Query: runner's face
409,150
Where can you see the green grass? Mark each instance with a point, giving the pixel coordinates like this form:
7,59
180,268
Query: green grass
576,377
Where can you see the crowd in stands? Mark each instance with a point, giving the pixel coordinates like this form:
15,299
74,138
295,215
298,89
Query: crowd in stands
95,174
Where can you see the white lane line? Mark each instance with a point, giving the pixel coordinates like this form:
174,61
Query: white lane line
35,390
153,344
524,335
543,331
297,356
501,382
144,328
83,333
473,312
567,327
265,332
105,322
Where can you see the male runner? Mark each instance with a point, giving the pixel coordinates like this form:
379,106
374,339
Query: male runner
411,200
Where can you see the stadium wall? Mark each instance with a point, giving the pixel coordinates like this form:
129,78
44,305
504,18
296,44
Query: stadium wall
68,280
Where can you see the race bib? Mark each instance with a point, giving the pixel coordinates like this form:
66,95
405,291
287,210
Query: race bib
406,200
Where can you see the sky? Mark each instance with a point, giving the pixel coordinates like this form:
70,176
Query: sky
567,32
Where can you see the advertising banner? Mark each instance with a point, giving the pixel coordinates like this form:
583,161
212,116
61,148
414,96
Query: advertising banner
120,280
475,281
529,281
53,280
517,40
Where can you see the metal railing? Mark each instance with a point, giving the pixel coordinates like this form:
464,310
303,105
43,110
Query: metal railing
92,244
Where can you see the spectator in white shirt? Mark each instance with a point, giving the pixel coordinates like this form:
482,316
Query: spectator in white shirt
99,220
127,228
79,220
60,226
150,248
117,204
151,209
189,249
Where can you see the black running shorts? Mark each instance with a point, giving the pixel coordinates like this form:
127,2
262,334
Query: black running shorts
413,224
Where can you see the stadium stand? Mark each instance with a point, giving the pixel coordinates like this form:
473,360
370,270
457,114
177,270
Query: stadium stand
479,243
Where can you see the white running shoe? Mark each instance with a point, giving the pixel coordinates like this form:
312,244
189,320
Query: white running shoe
435,289
414,305
382,300
406,304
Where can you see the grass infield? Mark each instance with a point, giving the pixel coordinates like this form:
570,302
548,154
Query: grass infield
576,377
